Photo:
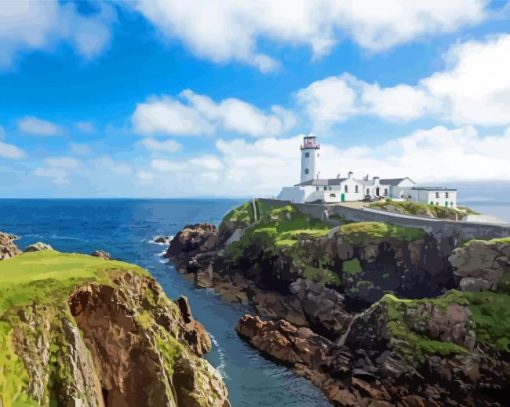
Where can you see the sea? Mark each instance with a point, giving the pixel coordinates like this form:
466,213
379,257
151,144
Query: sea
126,229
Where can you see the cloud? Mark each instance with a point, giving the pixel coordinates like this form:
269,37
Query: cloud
56,175
29,25
11,151
230,30
80,149
85,127
169,146
62,162
194,114
473,89
38,127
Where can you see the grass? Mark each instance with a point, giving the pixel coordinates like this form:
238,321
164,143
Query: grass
376,232
48,276
412,208
278,228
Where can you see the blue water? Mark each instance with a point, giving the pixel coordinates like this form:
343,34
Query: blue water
126,228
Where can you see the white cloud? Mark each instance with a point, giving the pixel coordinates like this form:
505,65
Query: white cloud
476,84
166,115
229,30
11,151
169,146
38,25
196,164
473,89
80,149
38,127
57,176
62,162
197,114
85,126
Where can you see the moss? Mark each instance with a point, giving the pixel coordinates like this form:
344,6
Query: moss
376,232
352,267
321,275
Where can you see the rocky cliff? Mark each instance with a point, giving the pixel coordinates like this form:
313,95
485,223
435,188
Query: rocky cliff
78,330
348,308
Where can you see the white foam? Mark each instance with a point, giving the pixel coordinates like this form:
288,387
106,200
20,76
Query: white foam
221,353
153,240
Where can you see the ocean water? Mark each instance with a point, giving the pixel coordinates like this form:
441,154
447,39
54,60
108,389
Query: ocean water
500,210
126,228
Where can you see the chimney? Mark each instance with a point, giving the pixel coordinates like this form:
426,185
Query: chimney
350,174
338,175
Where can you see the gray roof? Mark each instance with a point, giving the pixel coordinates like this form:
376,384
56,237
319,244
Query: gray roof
322,182
434,189
393,181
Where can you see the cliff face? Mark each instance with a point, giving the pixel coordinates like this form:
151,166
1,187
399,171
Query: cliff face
80,330
328,306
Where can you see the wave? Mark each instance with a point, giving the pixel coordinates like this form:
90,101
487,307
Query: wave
153,240
221,353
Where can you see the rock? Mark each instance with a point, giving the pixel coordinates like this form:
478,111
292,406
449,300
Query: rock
102,254
193,239
482,265
163,239
38,247
7,247
194,332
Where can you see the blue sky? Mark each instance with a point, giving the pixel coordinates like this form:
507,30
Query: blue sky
163,98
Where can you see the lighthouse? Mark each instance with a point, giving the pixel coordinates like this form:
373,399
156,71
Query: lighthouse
309,156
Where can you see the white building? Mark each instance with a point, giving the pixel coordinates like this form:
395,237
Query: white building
334,190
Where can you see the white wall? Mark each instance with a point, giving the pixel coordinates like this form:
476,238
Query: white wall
293,194
309,163
443,198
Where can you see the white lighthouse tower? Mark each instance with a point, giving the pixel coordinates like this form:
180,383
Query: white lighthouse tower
309,156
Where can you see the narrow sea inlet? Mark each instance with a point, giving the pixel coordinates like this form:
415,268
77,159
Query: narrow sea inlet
126,229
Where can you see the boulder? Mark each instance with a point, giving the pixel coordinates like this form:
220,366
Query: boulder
102,254
482,265
7,247
193,239
38,247
194,332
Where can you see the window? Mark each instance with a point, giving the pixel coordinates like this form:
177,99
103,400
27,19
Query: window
385,191
325,188
437,195
446,195
307,155
346,188
356,189
437,203
368,192
432,202
307,171
332,195
451,204
317,188
330,188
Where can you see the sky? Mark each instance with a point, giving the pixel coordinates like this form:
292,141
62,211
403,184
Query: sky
166,98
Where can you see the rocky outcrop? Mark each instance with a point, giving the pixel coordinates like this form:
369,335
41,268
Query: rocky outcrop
7,247
327,305
193,240
395,353
38,247
483,265
113,340
102,254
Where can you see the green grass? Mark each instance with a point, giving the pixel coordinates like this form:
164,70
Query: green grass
376,232
278,228
48,276
412,208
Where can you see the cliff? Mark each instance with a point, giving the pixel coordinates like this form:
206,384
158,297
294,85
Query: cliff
79,330
372,313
